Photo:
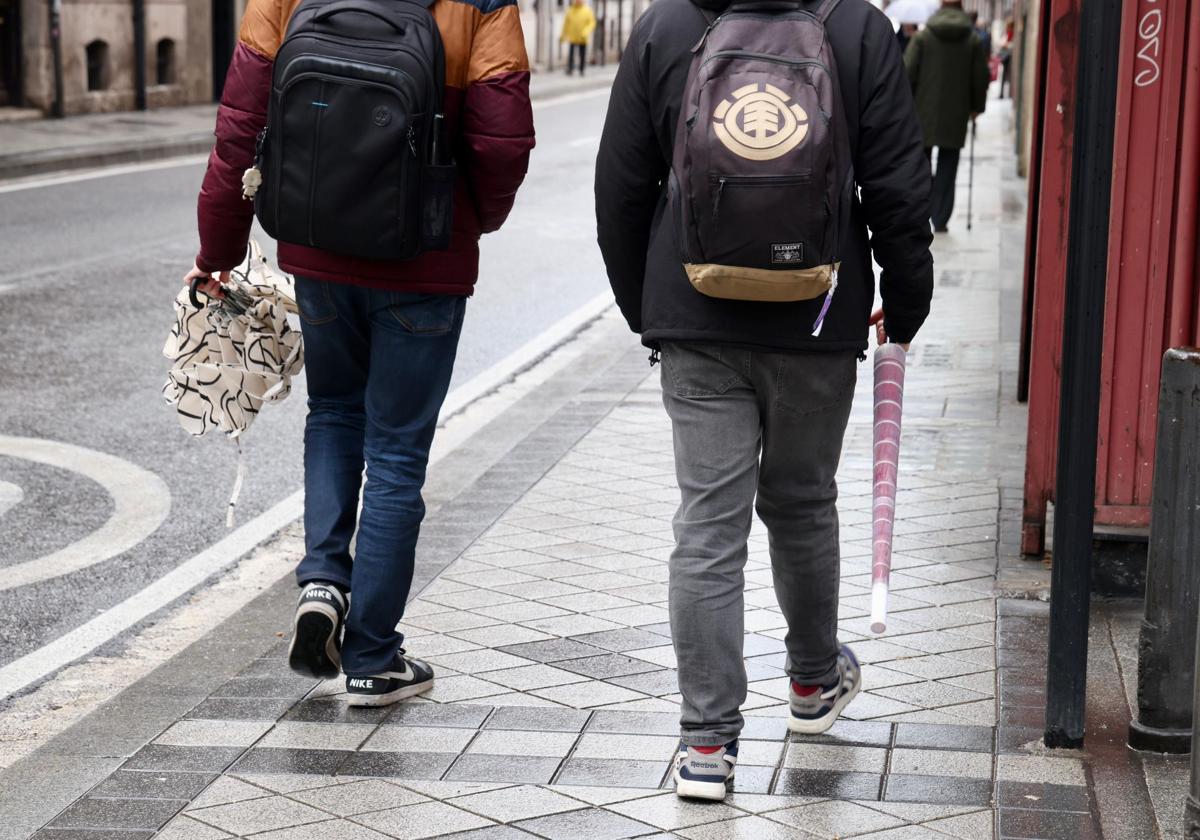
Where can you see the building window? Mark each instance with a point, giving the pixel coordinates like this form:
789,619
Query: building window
97,65
165,66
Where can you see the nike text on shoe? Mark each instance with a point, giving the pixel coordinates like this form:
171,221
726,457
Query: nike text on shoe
815,708
407,678
316,649
704,772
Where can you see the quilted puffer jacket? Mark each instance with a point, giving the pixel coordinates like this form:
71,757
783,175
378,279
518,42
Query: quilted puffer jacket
488,117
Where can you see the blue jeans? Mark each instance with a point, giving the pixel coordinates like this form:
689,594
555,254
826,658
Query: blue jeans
378,366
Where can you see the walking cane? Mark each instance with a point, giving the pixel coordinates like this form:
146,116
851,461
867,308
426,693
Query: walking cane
971,176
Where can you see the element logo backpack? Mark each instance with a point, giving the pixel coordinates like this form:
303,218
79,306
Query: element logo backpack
761,180
353,158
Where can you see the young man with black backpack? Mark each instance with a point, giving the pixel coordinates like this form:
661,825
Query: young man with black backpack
377,140
748,149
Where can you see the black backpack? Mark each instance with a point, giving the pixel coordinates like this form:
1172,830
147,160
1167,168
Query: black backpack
761,180
354,158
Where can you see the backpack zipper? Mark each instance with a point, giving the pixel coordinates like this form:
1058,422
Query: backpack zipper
752,181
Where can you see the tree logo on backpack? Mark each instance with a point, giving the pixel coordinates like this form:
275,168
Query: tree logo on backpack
757,122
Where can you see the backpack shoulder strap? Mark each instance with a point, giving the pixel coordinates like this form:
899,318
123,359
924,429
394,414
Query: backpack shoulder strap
826,8
710,16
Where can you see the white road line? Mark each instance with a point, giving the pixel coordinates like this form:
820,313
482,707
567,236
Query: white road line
105,172
141,502
40,663
191,160
10,496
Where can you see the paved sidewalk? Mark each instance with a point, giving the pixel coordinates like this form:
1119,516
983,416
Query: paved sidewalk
543,609
35,147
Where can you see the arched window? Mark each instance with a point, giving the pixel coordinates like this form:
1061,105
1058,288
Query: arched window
165,63
97,65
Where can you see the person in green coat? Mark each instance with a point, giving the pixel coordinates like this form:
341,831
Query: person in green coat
948,69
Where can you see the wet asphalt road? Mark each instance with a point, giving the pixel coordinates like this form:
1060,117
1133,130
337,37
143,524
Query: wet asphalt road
88,271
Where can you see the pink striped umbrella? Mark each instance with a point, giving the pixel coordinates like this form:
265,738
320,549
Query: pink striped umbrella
889,402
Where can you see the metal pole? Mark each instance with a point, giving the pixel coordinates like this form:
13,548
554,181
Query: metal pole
139,54
1166,656
58,108
1083,343
1191,805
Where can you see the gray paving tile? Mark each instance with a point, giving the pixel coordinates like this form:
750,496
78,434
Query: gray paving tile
428,819
593,823
607,665
493,832
655,683
413,739
612,746
101,834
516,803
118,814
935,736
330,830
225,789
828,784
634,723
612,773
1041,768
361,797
516,742
926,762
943,790
553,650
620,641
765,728
514,769
829,757
670,813
853,733
256,815
538,719
1048,825
213,733
240,709
334,710
463,715
298,761
748,779
835,818
744,828
1042,796
140,784
184,759
397,764
183,827
283,688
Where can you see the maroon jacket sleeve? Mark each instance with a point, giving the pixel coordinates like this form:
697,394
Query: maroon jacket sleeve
224,215
497,115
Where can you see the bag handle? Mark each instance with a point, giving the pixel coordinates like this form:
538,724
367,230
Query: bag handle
397,22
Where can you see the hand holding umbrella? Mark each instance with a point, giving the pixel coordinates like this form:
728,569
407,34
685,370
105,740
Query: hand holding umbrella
889,401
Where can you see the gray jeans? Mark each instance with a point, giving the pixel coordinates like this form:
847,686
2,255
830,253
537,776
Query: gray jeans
748,423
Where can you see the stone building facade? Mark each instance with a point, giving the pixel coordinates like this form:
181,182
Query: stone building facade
185,41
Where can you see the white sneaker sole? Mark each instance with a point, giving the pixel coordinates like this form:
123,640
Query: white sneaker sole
691,789
372,700
822,724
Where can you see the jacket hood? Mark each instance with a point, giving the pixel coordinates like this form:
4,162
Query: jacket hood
712,5
950,24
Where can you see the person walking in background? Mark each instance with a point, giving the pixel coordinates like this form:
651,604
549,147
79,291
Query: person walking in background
759,390
948,69
984,33
577,30
380,335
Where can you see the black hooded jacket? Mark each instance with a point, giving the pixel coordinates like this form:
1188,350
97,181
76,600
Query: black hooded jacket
891,172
